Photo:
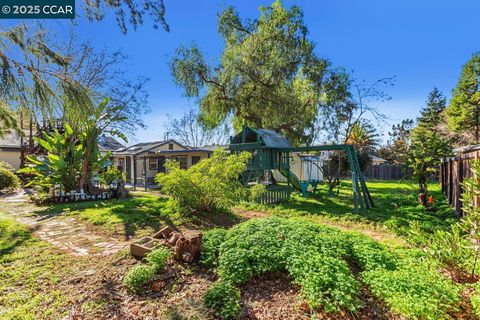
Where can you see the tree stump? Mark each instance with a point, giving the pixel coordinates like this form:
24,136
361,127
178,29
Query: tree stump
187,247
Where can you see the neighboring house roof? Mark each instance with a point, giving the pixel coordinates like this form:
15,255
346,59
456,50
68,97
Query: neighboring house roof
377,159
214,147
269,138
10,140
107,143
145,147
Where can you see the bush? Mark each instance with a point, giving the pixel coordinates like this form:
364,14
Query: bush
138,277
210,185
8,180
224,299
111,175
158,258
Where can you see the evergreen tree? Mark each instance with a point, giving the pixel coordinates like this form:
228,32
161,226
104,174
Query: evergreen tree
463,114
428,145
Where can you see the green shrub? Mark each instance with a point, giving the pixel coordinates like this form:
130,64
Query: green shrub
211,241
224,299
111,175
8,180
138,277
210,185
158,258
475,300
415,290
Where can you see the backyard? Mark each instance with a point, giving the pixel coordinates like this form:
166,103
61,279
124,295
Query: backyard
40,280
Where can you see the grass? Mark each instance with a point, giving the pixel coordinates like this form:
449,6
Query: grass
395,208
138,215
28,270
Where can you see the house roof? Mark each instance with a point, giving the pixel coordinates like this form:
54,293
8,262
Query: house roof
108,143
145,147
269,138
378,159
10,140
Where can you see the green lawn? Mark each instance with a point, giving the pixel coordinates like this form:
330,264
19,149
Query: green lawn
395,208
29,270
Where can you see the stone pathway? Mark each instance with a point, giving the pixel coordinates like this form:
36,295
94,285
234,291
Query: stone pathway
66,233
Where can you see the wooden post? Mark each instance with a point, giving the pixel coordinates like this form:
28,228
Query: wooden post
145,172
134,173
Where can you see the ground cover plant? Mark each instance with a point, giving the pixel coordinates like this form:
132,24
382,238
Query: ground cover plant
141,274
321,260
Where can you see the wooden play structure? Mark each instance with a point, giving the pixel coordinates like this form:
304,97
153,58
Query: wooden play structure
271,151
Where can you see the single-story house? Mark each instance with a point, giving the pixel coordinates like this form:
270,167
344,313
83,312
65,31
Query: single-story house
10,149
142,161
377,160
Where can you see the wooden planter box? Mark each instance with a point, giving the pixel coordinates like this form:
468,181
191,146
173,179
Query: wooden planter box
139,249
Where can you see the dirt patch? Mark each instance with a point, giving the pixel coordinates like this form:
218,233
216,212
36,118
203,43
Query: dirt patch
249,214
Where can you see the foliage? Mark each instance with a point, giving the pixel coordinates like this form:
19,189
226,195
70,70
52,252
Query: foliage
463,113
158,258
8,180
138,277
73,156
128,12
211,185
268,71
399,142
318,260
224,299
415,290
475,300
63,163
211,241
111,175
189,131
428,145
470,223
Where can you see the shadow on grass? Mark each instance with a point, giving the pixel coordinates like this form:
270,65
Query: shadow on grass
12,235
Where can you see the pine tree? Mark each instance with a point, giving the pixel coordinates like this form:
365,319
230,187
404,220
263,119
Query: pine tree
463,114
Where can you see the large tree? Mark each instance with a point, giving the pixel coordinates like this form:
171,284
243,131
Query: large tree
268,75
428,144
463,114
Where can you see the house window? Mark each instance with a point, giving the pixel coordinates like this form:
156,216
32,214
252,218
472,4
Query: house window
121,164
195,159
182,160
152,163
170,146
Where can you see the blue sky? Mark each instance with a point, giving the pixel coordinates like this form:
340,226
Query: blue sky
423,43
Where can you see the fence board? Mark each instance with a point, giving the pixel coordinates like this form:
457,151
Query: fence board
386,172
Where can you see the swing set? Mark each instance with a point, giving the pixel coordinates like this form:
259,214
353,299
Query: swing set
271,151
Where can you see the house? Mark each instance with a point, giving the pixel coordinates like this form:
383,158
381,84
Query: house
142,161
10,149
377,160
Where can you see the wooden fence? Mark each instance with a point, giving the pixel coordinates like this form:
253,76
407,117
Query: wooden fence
386,172
452,173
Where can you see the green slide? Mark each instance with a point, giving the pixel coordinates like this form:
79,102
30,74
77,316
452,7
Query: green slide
293,179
